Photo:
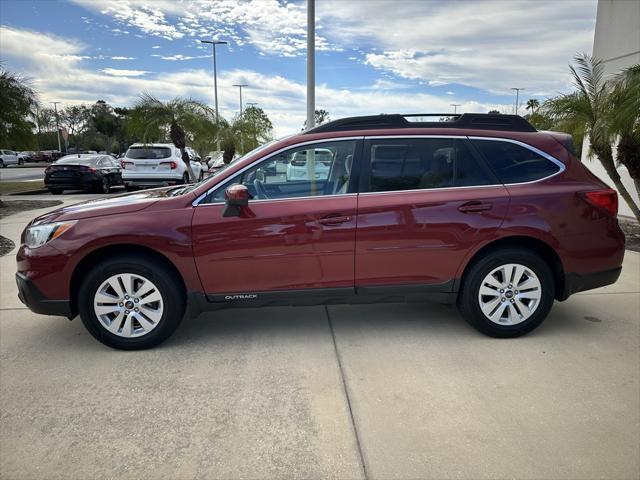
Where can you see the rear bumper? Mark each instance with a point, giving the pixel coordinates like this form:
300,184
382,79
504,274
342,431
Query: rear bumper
152,182
35,300
574,282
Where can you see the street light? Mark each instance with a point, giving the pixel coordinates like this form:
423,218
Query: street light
517,97
55,107
455,107
311,63
252,104
240,85
215,80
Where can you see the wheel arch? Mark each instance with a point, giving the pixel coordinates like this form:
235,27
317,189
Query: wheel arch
535,245
108,251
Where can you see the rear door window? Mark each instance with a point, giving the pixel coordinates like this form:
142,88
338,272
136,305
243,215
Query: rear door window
513,163
423,163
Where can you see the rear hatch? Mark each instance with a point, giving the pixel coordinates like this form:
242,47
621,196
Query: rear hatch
148,159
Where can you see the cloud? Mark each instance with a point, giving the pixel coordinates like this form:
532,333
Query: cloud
491,45
116,72
272,27
180,57
283,99
123,58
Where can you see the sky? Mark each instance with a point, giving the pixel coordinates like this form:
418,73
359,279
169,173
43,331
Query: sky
372,56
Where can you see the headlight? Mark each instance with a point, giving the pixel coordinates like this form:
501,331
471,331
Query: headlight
38,235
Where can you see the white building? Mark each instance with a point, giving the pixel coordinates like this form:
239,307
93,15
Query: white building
617,44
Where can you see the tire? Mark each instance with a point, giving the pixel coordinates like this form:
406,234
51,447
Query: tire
132,331
2,165
55,191
185,178
201,177
130,189
514,314
105,186
20,162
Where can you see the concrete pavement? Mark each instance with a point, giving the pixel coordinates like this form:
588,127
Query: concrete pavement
21,174
378,391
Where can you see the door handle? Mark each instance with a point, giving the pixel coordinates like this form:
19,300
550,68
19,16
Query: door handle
475,207
334,219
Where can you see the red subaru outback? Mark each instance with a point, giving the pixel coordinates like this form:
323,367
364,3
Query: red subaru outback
481,210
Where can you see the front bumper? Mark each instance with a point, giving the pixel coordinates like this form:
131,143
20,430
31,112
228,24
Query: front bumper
35,300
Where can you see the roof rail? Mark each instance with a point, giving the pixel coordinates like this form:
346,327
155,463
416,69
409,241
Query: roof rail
477,121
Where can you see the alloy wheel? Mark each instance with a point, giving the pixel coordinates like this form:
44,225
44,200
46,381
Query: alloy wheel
510,294
128,305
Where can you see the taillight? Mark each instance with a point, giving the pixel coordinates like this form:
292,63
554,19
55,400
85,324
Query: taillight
173,165
606,200
88,169
124,164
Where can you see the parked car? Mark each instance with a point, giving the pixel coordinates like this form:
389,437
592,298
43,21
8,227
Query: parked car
83,172
9,157
27,156
297,168
157,165
482,211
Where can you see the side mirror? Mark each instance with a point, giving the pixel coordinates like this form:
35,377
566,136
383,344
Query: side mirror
236,196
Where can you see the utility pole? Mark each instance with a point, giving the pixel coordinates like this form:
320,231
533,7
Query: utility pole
215,83
455,107
55,108
517,99
311,63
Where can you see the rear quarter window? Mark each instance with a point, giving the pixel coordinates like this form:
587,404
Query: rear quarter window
513,163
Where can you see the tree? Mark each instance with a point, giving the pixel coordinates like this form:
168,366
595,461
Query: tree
533,104
589,110
180,119
320,116
255,128
76,119
625,120
18,103
493,112
105,122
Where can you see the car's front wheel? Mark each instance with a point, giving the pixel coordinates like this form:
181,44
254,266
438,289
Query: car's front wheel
55,191
507,293
131,303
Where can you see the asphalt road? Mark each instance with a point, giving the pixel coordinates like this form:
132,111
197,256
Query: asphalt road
380,391
15,174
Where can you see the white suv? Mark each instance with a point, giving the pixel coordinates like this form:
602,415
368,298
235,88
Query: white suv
157,165
8,157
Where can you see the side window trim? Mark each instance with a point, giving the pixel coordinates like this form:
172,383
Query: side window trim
201,200
561,166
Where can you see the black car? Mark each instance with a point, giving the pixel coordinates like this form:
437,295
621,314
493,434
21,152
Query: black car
83,172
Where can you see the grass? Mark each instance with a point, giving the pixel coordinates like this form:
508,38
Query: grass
16,187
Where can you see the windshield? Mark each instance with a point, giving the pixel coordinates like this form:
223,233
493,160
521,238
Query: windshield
77,160
149,153
193,186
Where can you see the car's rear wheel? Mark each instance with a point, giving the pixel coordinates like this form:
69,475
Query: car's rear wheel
507,293
105,185
185,178
131,303
55,191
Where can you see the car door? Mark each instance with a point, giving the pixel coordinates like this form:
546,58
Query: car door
292,238
425,202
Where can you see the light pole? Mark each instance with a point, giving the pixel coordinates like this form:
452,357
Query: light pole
55,108
240,85
215,82
455,107
517,98
311,63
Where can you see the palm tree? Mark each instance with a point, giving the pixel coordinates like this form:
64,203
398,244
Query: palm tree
181,118
625,120
19,101
589,110
533,104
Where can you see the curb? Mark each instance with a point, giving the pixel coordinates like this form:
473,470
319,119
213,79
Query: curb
29,192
